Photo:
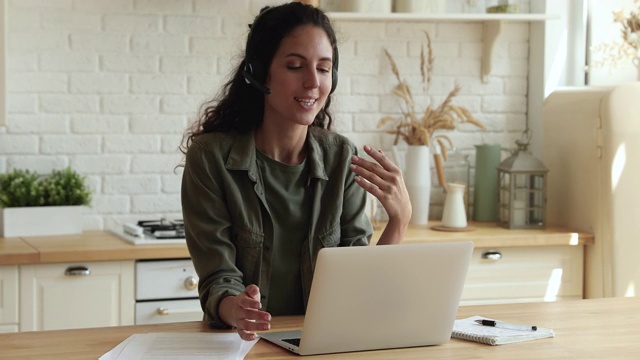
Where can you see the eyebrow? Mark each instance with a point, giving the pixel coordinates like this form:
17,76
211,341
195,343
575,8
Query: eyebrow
304,58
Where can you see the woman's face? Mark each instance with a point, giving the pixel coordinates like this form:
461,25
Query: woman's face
299,77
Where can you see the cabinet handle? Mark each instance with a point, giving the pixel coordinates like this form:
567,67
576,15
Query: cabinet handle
492,255
164,311
190,283
77,271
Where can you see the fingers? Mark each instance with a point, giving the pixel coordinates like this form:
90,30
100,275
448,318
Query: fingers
253,291
380,157
247,335
382,173
249,316
381,165
383,179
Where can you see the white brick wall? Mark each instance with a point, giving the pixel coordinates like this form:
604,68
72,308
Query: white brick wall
108,87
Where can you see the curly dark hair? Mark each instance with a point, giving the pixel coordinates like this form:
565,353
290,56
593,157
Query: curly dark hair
239,106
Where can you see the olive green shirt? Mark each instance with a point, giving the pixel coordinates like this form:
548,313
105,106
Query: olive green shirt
228,226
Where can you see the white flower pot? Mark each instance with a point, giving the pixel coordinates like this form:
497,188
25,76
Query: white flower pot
40,220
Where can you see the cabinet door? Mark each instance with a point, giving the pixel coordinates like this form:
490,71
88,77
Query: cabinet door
8,298
524,274
79,295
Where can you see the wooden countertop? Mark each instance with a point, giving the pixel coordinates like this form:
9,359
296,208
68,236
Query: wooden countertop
17,251
88,246
104,246
490,235
584,329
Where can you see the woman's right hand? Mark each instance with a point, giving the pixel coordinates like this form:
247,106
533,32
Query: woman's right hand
243,313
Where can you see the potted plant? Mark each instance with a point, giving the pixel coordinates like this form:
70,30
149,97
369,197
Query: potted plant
420,130
31,204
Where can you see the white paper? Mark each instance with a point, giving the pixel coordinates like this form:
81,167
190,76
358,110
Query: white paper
178,346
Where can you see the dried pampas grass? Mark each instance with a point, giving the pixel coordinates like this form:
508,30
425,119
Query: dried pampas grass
420,130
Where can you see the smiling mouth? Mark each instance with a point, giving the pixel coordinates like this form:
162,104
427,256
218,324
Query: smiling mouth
306,102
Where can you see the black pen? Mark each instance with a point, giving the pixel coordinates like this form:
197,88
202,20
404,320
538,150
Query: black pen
504,325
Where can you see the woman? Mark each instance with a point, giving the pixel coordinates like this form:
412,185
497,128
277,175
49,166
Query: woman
266,185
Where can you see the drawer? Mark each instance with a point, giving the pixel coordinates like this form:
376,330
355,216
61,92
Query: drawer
156,312
166,279
524,274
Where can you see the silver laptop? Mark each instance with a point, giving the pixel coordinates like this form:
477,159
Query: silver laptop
380,297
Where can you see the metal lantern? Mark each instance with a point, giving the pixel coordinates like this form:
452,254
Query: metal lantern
522,190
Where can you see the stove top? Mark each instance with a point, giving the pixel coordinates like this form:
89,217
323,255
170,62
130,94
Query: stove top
154,232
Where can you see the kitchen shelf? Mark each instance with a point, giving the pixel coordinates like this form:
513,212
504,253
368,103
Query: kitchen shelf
492,26
355,16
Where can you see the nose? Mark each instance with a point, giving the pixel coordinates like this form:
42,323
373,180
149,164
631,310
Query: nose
311,79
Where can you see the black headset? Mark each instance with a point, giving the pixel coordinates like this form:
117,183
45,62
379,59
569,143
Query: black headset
253,69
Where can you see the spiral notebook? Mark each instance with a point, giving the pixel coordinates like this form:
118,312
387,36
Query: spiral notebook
468,329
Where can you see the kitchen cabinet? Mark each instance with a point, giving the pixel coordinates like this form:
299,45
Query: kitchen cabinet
524,274
8,298
166,291
515,265
76,295
508,265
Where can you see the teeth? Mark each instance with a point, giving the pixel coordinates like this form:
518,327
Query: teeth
306,102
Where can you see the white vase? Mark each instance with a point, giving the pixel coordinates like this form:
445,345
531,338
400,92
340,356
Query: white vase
417,178
41,220
420,6
362,6
454,214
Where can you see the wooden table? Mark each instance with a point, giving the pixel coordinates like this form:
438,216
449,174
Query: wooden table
585,329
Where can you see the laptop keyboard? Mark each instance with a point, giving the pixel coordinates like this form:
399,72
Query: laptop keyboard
294,341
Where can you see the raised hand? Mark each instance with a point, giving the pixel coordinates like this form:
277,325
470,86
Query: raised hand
383,179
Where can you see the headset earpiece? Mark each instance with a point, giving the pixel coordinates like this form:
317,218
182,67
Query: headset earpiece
249,77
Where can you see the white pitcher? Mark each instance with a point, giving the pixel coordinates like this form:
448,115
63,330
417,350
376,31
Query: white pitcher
454,214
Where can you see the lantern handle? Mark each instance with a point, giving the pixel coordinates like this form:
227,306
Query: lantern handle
524,141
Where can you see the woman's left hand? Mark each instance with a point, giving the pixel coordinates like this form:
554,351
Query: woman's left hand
383,179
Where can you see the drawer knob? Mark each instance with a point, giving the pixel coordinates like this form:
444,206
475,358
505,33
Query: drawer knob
77,271
162,311
492,255
190,283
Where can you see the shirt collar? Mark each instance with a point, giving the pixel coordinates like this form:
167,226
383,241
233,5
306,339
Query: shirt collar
243,154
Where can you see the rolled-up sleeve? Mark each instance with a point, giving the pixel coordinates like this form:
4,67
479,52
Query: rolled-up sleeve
208,230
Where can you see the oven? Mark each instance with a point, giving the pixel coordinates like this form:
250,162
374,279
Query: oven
166,291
